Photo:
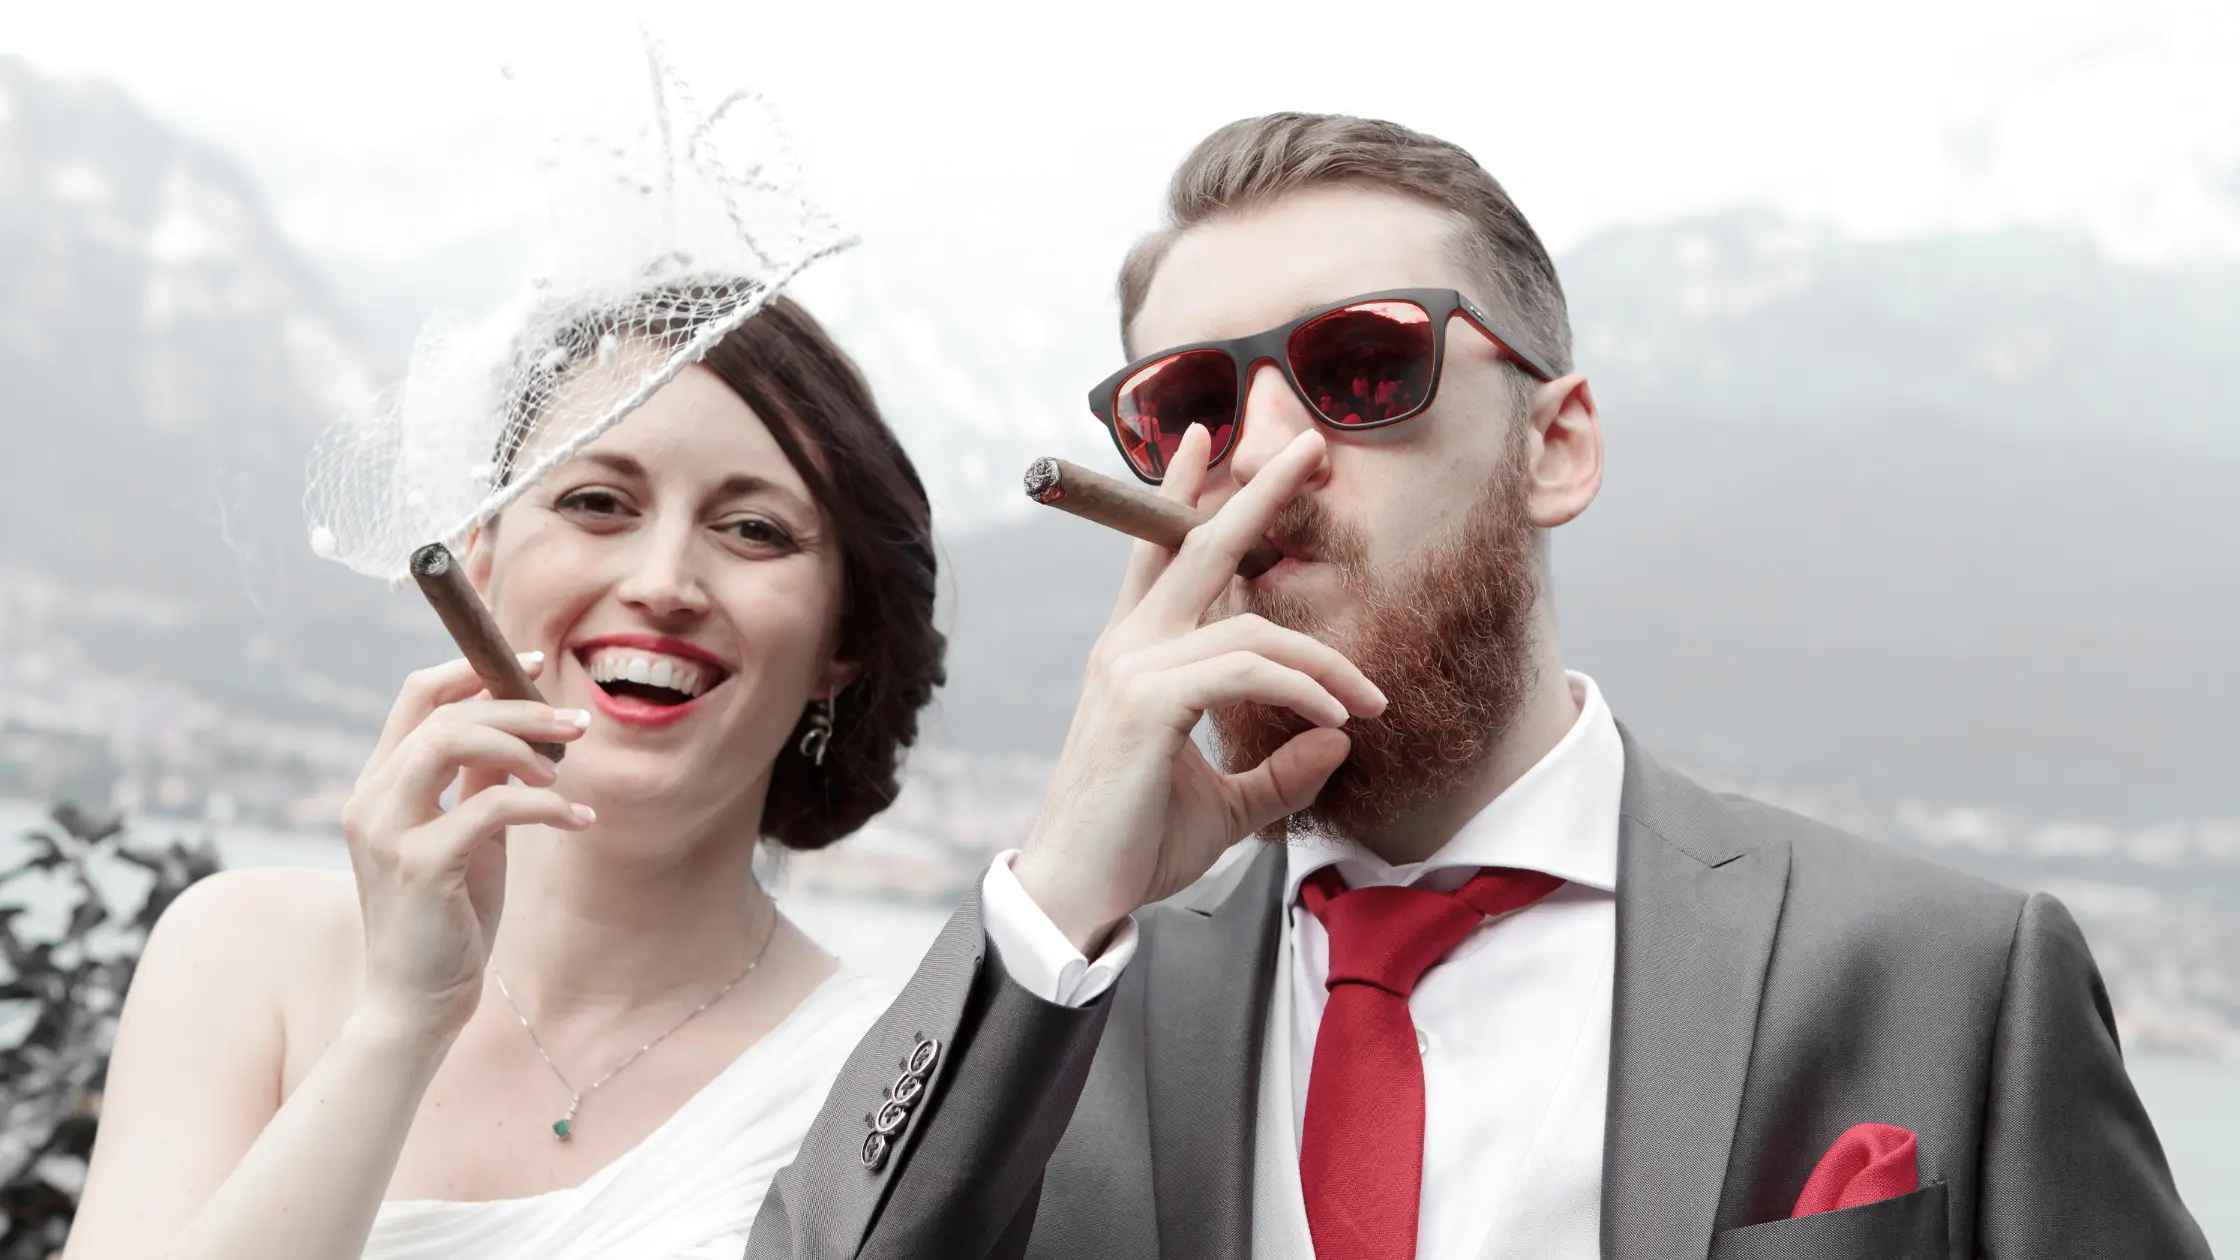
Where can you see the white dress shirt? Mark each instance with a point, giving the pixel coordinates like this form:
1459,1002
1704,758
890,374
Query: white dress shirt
1513,1025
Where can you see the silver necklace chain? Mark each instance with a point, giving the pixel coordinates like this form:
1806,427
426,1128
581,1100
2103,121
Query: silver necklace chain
564,1127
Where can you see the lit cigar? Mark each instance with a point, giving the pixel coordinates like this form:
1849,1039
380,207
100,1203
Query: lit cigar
445,584
1132,510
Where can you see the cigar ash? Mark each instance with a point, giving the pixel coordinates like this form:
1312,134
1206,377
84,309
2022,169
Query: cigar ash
1045,482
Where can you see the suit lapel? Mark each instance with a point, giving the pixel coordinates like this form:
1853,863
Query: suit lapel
1699,897
1209,971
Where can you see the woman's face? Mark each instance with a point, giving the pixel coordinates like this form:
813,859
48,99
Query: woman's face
685,589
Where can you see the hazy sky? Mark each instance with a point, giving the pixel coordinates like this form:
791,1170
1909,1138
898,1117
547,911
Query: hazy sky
373,125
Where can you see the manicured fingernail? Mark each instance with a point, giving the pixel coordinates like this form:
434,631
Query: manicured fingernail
577,718
584,814
547,764
532,658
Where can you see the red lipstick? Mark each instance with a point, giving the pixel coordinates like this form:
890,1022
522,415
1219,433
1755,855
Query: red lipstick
634,711
655,643
631,711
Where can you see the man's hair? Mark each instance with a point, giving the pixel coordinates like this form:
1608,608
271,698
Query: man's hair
1253,161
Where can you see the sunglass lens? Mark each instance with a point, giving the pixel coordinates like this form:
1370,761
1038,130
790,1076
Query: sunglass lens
1365,364
1153,408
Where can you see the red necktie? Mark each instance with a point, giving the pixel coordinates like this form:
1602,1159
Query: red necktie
1361,1154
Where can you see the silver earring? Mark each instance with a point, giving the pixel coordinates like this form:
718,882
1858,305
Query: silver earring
818,737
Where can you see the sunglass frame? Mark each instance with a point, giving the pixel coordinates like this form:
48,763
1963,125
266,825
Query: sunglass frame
1247,353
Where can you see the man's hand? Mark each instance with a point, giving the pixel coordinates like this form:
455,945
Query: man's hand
1134,812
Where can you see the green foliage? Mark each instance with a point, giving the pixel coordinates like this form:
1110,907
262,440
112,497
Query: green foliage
77,899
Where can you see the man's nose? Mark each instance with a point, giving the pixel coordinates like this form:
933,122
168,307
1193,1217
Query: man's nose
1273,415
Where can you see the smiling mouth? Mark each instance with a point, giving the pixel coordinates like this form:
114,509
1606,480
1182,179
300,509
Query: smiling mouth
653,679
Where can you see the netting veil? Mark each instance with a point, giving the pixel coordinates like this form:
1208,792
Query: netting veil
663,232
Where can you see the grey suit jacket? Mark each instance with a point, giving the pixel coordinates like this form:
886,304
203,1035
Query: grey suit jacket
1777,982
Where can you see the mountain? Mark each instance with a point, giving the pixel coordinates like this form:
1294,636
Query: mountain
1955,518
165,361
158,340
1748,316
1946,517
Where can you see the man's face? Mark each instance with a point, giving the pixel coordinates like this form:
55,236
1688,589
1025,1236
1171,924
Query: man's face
1413,549
1399,491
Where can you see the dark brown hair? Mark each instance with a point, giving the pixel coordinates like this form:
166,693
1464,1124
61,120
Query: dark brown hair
1253,161
818,407
784,366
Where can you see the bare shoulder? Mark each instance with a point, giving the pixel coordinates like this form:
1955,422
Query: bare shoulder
202,1047
273,952
263,917
279,933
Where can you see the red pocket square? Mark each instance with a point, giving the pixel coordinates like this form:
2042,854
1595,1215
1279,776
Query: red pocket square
1869,1163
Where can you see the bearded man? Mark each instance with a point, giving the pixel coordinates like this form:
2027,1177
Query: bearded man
1510,988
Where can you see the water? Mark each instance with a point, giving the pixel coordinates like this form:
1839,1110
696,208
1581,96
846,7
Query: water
2196,1109
2195,1104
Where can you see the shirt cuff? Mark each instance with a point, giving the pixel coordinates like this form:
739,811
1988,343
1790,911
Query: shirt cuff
1035,953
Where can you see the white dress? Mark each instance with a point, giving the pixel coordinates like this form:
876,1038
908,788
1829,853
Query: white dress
690,1191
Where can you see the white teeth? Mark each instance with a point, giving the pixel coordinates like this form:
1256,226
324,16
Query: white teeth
652,669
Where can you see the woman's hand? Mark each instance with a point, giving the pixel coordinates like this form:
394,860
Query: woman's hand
431,882
1134,812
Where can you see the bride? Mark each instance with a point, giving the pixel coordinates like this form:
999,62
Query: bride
561,1018
549,1012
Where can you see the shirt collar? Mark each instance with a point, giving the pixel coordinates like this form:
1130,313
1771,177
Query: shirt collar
1560,816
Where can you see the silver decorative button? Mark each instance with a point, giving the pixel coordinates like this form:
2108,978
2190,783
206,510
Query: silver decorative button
890,1119
894,1113
1423,1042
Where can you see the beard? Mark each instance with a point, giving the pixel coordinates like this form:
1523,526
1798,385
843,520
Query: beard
1449,643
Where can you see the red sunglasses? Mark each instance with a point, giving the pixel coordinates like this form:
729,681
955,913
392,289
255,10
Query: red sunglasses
1363,363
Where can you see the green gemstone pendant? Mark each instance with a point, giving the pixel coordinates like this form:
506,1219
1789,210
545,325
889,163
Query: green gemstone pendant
562,1128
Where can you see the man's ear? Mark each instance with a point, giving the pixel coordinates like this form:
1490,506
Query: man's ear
836,677
1565,451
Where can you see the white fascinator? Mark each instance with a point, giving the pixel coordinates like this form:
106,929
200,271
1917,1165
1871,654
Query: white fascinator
666,227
